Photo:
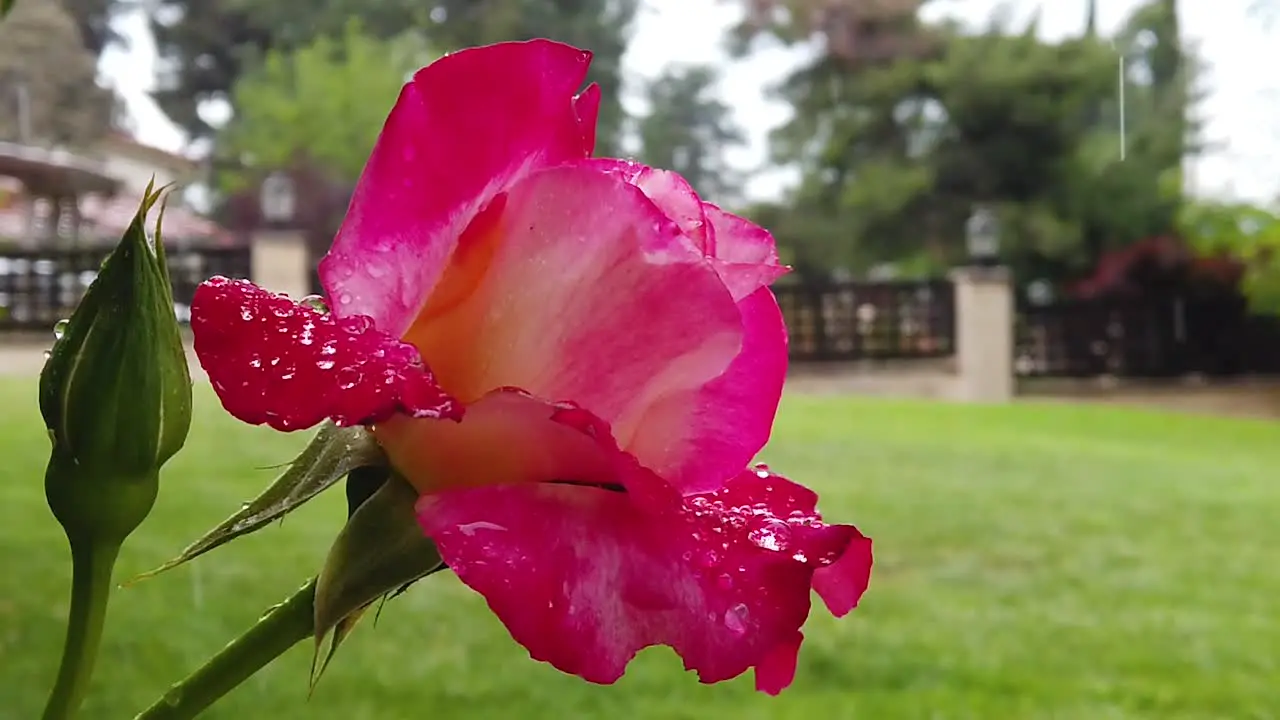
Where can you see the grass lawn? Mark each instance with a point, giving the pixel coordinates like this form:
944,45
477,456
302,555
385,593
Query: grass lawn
1035,561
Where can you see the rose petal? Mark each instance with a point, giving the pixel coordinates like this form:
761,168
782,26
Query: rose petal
274,361
743,253
467,127
841,584
670,192
777,670
507,437
585,578
694,438
574,285
587,106
740,241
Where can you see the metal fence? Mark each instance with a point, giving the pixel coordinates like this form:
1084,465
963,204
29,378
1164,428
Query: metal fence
1150,337
40,287
869,320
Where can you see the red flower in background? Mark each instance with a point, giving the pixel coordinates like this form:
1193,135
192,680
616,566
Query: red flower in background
605,359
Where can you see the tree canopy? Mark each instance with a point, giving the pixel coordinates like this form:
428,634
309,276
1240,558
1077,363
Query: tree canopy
688,128
325,101
49,77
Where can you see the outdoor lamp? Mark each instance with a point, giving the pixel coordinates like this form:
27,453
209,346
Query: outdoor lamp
982,237
278,199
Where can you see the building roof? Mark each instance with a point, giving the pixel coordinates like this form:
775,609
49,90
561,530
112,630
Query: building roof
120,141
54,172
107,218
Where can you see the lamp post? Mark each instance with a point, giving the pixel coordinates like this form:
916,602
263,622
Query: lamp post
278,199
982,238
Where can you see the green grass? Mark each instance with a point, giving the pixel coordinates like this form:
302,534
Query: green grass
1034,561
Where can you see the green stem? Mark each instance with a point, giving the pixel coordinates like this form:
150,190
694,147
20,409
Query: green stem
91,565
284,626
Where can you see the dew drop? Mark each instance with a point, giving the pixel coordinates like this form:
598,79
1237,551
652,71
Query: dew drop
773,535
268,611
735,618
60,328
48,354
349,378
325,364
315,302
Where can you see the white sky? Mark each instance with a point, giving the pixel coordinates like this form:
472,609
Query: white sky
1242,109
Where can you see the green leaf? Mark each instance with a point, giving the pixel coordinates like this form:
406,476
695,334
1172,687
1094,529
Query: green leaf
333,453
362,483
5,7
380,552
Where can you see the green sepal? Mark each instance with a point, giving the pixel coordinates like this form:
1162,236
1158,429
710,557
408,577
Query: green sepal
330,456
379,553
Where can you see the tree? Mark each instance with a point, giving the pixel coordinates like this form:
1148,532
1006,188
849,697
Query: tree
49,79
210,43
901,127
1248,234
203,47
687,130
93,18
324,102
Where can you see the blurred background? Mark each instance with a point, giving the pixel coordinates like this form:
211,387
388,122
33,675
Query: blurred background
1101,172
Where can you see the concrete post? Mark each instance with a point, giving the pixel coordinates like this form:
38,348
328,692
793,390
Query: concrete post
984,334
281,262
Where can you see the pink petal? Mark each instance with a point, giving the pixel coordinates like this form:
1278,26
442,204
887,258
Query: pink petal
700,435
274,361
575,285
743,253
507,437
466,128
584,578
670,192
778,668
740,241
587,105
697,437
841,584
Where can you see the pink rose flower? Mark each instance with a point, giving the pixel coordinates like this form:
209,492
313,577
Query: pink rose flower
573,360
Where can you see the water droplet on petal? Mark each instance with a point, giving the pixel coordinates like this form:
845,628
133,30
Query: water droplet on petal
60,328
736,617
773,535
349,378
315,302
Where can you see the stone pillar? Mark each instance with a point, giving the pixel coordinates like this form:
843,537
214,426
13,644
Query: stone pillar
281,262
984,334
